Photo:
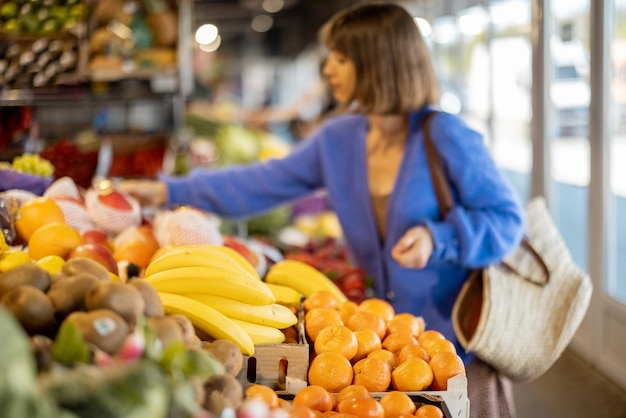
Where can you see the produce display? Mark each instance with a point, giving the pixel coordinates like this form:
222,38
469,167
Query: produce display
117,323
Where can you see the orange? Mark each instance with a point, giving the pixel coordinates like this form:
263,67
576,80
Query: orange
335,414
317,319
353,392
368,341
362,408
373,373
437,346
315,397
411,376
53,239
35,213
347,309
427,337
412,351
397,404
445,365
395,341
362,319
429,411
136,252
265,393
319,299
332,371
386,356
301,411
337,339
379,307
406,323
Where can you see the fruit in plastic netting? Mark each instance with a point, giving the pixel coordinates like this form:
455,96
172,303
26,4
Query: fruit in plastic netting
34,213
186,226
53,239
112,215
75,213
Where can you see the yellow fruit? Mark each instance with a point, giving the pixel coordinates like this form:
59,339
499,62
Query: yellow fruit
53,239
11,259
51,263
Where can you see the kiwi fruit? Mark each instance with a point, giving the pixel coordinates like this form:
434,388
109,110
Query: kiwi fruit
121,298
68,293
228,353
223,391
154,306
189,331
102,327
24,274
32,308
167,330
77,265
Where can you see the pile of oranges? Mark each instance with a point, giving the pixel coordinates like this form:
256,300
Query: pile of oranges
371,345
364,359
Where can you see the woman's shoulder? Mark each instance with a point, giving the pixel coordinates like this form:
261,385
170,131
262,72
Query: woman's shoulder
450,128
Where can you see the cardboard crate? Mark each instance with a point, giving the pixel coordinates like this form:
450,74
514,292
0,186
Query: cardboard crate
283,367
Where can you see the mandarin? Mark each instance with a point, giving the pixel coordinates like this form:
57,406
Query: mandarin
337,339
411,376
315,397
317,319
353,392
330,370
264,393
386,356
429,411
319,299
362,408
301,411
35,213
406,323
53,239
396,404
437,346
412,351
368,341
362,319
378,307
395,341
445,365
373,373
427,337
347,309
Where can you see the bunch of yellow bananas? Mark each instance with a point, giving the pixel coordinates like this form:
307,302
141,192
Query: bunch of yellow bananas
221,293
303,278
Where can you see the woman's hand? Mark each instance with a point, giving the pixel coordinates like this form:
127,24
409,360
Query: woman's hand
414,249
147,192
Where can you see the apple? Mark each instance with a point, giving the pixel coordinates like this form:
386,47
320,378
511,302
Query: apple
94,236
97,253
241,248
115,200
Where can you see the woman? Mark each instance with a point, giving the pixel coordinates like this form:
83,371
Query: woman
372,162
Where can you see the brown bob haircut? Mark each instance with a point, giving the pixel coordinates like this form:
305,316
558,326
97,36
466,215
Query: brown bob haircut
394,73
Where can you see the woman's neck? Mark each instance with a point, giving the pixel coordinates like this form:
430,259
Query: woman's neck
388,128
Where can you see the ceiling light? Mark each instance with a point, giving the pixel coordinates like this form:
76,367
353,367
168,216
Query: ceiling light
206,34
262,23
273,6
212,47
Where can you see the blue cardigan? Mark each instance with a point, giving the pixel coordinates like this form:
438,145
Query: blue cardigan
486,223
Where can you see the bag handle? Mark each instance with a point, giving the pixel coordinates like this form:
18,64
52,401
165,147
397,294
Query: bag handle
446,203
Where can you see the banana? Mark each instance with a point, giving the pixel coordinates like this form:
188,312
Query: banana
303,278
209,320
198,256
240,258
285,294
261,334
214,281
271,315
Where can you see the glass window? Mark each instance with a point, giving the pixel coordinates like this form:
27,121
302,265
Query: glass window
569,96
616,284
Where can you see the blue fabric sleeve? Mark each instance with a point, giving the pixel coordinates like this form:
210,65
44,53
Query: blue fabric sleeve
487,221
243,191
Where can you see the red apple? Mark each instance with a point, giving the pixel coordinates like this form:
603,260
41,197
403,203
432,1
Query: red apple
115,200
241,248
94,236
97,253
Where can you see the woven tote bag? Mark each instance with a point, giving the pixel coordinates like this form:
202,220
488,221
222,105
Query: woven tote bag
519,315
